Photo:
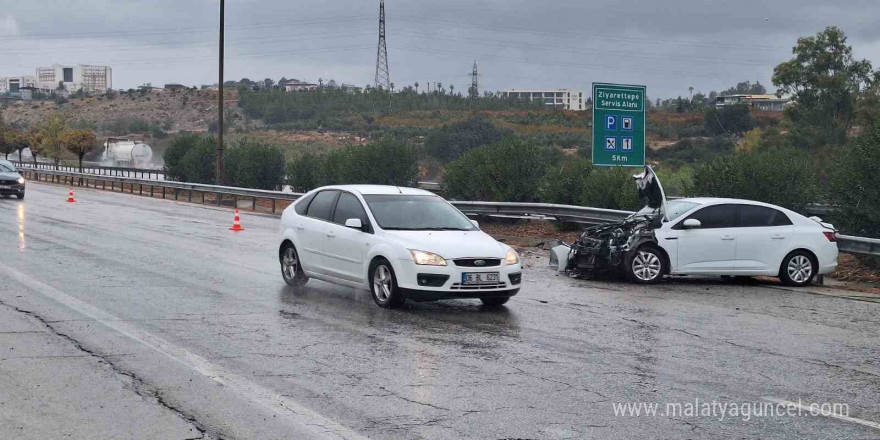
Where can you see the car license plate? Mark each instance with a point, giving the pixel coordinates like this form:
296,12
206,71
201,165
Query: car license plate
5,187
479,278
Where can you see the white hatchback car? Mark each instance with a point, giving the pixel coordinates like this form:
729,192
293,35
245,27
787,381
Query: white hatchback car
397,242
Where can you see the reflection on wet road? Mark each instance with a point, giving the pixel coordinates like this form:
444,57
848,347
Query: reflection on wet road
549,365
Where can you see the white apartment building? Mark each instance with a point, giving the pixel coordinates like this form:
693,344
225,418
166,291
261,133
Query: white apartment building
12,84
91,79
560,99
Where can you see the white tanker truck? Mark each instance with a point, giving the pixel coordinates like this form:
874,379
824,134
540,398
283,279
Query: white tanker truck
124,152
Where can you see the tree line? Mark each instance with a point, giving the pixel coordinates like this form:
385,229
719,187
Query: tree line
51,137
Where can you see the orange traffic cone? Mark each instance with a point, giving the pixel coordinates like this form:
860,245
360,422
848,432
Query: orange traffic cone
70,198
236,223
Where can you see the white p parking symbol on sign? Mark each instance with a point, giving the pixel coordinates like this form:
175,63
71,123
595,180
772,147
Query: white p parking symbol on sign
611,122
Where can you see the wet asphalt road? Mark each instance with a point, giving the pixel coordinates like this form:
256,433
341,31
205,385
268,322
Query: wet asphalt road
187,330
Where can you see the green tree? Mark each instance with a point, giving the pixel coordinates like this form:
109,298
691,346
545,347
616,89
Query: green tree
565,181
251,164
611,188
781,176
450,141
80,143
306,172
853,186
507,171
6,137
51,130
174,155
729,120
385,162
824,81
198,163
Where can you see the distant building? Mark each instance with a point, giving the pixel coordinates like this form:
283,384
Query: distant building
27,93
175,87
295,85
13,84
760,102
90,79
560,99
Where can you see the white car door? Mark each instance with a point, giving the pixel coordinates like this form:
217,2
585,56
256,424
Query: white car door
763,237
312,230
346,248
711,248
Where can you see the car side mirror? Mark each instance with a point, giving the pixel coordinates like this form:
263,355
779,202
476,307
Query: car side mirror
476,223
692,223
354,223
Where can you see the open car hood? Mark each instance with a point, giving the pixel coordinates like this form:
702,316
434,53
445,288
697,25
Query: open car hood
651,191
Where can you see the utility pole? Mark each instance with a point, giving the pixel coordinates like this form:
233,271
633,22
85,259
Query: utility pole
219,166
474,91
383,78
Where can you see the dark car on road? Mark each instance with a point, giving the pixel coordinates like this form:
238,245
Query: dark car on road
11,182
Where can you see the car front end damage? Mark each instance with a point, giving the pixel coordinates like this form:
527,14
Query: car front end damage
605,248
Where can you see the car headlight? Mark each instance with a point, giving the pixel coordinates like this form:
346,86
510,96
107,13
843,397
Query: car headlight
21,180
512,257
423,258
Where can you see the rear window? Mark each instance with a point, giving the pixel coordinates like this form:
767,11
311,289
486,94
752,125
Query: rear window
322,205
303,204
753,216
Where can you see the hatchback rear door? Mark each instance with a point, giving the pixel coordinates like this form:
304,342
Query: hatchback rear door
313,228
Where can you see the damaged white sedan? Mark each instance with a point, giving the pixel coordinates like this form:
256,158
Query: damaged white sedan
703,236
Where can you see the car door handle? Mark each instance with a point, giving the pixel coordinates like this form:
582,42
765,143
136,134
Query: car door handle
300,228
331,235
727,237
778,237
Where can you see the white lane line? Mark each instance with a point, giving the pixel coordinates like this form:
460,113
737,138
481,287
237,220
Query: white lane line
807,410
301,417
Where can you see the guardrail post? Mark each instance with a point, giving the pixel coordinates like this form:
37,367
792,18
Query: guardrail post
219,197
254,204
273,206
189,196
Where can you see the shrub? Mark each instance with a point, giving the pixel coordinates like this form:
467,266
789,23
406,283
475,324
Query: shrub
611,188
198,163
565,181
728,120
781,176
693,150
250,164
175,153
853,187
306,173
450,141
509,170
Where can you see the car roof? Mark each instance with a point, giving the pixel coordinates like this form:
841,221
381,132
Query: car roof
381,189
720,200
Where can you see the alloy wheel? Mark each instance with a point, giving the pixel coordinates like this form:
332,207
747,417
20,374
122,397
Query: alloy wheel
800,269
383,283
646,266
289,263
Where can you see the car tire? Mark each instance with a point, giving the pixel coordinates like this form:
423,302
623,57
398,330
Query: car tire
291,268
646,265
495,301
798,269
20,196
383,285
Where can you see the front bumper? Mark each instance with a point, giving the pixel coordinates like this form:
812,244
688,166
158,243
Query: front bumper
12,190
429,283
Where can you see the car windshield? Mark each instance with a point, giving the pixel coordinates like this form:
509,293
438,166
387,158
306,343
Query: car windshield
416,213
6,166
676,208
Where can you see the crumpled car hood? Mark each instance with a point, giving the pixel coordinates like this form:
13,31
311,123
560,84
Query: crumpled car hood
651,191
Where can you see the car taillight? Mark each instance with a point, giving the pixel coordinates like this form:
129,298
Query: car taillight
830,236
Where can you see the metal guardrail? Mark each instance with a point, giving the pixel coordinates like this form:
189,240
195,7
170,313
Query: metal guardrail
538,211
190,192
98,170
858,245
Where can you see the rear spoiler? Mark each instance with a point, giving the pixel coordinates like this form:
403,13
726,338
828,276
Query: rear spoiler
826,225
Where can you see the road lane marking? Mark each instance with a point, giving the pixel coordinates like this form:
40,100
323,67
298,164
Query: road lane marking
304,418
832,415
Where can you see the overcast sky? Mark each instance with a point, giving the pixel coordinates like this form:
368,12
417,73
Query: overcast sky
668,45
